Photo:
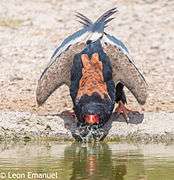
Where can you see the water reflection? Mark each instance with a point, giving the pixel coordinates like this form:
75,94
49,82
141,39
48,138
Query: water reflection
94,161
90,161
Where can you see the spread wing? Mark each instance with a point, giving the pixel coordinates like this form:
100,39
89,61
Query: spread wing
58,70
124,70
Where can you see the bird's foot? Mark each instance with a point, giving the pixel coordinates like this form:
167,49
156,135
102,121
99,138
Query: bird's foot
70,114
121,109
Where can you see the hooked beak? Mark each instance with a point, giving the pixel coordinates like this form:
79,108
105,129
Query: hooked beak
92,119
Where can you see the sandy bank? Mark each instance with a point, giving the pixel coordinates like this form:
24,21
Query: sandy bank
156,127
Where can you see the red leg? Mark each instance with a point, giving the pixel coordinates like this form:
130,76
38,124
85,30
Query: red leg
121,109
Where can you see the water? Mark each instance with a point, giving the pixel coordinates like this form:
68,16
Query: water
104,161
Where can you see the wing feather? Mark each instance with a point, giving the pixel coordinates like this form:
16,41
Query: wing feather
77,37
124,70
57,74
58,70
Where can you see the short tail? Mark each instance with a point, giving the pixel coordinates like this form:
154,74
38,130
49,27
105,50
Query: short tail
83,19
102,20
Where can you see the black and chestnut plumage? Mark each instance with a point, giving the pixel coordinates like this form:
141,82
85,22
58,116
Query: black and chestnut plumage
96,66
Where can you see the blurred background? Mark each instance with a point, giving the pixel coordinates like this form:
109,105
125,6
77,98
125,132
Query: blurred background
30,30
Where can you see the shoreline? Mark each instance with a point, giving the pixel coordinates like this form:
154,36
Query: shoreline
26,126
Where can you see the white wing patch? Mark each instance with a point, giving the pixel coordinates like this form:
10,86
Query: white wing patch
105,39
81,38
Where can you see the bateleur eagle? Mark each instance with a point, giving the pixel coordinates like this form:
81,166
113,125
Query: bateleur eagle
96,66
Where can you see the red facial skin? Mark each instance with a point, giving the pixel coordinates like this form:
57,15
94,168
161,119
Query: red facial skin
92,119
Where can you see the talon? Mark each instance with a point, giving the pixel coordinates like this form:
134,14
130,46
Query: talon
121,109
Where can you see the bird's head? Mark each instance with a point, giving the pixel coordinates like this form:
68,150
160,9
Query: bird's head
92,123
